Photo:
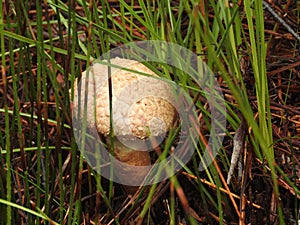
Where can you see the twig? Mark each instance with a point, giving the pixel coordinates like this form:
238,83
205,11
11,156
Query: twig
288,27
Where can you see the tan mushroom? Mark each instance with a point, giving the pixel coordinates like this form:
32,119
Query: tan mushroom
141,109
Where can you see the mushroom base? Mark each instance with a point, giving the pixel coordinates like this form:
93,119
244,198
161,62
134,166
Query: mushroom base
133,159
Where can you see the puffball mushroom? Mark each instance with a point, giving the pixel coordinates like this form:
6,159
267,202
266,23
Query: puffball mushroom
140,111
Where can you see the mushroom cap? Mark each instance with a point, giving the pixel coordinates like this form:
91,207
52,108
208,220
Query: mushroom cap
141,105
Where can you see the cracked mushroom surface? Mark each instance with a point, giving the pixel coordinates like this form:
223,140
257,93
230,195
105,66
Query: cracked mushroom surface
141,109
